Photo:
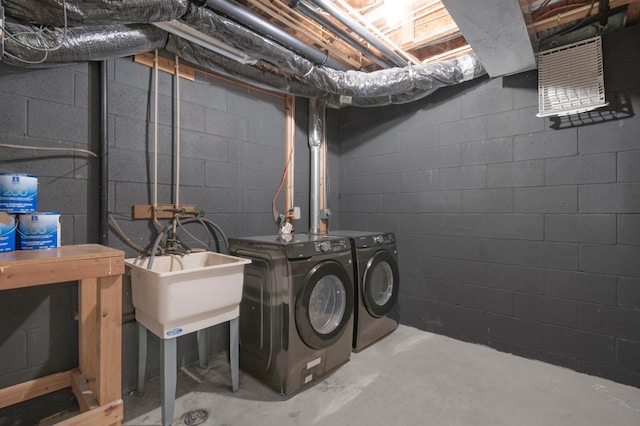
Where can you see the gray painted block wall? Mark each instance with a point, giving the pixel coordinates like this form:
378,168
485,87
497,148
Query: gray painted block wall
511,234
232,160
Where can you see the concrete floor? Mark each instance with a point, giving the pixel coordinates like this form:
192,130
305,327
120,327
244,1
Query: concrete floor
409,378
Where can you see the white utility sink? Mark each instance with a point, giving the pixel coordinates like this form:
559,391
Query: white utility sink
182,294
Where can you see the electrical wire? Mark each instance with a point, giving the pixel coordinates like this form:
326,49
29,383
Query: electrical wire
284,177
44,148
558,9
39,34
576,25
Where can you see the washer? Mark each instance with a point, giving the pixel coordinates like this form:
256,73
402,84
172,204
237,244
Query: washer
377,283
296,313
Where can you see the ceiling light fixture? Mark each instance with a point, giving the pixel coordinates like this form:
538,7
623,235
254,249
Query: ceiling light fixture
186,32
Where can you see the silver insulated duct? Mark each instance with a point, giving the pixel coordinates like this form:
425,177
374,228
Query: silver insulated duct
42,33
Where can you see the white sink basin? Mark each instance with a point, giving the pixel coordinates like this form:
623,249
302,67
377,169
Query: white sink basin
182,294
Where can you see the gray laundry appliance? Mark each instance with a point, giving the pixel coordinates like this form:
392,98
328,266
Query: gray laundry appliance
377,283
296,313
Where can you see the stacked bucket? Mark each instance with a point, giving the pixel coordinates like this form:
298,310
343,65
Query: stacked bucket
21,225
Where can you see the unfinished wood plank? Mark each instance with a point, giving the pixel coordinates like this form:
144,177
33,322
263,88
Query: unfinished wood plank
111,413
34,388
60,254
575,14
88,329
166,65
15,276
85,396
304,28
164,211
24,268
109,367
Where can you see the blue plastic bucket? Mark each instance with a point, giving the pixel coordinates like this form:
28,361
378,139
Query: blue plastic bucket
39,230
7,232
18,193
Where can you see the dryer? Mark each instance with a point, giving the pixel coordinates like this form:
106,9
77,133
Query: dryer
377,283
296,313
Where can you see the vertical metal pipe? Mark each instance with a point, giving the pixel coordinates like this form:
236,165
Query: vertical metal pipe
324,179
316,132
290,143
103,184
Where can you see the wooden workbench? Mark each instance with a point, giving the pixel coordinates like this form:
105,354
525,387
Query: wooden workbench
96,382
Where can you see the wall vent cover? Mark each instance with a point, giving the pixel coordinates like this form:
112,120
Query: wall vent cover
570,78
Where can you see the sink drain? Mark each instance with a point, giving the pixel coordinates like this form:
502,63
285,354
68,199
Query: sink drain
195,417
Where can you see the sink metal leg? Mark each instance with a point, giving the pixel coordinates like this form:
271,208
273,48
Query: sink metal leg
142,357
234,358
168,378
203,347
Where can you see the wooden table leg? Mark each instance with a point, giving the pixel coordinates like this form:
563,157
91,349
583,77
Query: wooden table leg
88,329
108,381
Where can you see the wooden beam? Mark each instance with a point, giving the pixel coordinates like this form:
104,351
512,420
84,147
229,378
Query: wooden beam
109,336
24,268
34,388
309,30
88,329
111,413
166,65
85,397
575,14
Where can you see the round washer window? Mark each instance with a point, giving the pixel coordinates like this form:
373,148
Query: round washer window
327,304
381,283
324,304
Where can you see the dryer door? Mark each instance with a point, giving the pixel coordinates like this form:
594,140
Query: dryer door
381,283
324,304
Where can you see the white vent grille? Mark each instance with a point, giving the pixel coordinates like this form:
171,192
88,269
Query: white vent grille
570,79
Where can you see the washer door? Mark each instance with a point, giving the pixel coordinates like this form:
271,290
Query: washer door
381,283
324,304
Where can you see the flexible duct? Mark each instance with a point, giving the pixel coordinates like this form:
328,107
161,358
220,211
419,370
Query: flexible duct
95,12
277,68
79,44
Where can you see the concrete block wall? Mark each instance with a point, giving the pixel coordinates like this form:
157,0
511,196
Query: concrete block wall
231,163
512,232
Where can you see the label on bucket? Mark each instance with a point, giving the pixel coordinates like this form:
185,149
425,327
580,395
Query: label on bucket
18,193
173,332
7,232
39,231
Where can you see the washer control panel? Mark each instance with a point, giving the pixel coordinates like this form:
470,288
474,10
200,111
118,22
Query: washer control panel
315,248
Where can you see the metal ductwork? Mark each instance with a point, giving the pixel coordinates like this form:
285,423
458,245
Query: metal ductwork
334,11
265,28
497,32
106,31
317,15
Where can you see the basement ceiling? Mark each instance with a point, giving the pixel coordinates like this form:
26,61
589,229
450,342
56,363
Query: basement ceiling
505,34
